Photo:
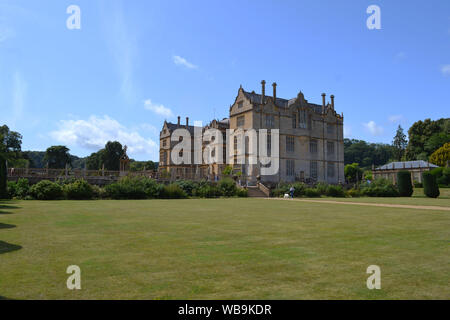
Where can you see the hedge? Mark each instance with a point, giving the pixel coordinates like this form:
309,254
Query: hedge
430,186
404,185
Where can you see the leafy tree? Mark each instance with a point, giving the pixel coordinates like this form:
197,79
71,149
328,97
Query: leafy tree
108,156
140,165
10,147
427,136
95,160
441,156
113,153
353,172
57,157
366,154
399,143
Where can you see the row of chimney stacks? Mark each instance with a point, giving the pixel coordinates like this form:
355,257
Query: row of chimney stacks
323,101
187,121
263,85
274,85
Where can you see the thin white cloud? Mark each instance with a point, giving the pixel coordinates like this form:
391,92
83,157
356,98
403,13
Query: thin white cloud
19,91
373,128
446,70
93,133
159,109
122,46
395,118
180,61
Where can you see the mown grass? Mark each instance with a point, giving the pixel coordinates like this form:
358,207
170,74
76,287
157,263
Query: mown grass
221,249
418,199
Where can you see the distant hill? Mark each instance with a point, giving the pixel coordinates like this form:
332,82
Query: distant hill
36,159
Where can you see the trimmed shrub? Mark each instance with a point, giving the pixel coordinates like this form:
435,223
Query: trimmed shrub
188,186
404,185
79,190
322,188
312,193
227,187
206,191
335,191
379,188
242,193
299,189
11,187
173,191
127,188
46,190
444,179
354,193
98,192
430,186
19,189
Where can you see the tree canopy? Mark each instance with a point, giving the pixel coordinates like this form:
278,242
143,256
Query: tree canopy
441,156
366,154
427,136
10,143
57,157
109,156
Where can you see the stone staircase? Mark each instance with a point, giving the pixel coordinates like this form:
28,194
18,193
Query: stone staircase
254,192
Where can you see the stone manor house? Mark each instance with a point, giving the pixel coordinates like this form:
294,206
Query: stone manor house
311,140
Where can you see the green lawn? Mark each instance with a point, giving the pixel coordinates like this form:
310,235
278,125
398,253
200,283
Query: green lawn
221,249
418,199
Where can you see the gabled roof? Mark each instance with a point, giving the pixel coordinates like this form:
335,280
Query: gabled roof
407,165
173,126
283,103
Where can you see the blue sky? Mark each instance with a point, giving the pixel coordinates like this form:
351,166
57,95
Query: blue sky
135,63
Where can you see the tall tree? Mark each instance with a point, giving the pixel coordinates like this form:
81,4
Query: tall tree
57,157
10,147
399,143
113,152
108,156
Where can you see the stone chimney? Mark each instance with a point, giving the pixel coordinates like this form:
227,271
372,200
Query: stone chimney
263,90
187,122
323,102
274,85
178,120
332,101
